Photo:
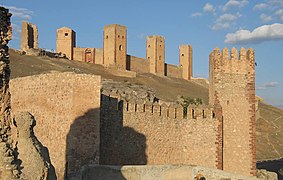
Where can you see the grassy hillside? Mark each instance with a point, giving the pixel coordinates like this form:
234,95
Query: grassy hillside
269,118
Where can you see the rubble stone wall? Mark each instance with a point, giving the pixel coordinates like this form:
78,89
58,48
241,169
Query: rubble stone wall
66,108
29,37
139,134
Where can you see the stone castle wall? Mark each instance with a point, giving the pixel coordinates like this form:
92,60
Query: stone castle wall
173,71
137,64
232,86
138,134
29,36
66,110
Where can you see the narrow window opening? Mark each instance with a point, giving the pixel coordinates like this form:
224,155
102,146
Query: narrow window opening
227,102
118,36
66,34
193,114
151,109
203,114
143,110
122,37
127,106
148,46
106,36
120,48
213,115
148,58
159,57
135,107
183,54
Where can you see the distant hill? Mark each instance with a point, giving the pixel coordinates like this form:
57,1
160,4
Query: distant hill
269,118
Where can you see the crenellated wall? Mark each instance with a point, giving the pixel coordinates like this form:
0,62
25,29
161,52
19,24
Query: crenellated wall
232,86
145,133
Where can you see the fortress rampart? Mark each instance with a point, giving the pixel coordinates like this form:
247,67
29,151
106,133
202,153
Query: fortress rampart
164,134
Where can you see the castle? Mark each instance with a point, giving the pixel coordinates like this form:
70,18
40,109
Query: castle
105,129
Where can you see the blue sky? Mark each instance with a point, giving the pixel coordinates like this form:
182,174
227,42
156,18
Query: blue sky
203,24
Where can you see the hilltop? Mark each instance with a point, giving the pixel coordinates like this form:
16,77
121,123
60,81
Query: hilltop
269,118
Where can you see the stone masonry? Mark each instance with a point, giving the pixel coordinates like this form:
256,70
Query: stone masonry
134,133
66,107
155,54
115,46
186,63
232,86
65,41
8,170
29,37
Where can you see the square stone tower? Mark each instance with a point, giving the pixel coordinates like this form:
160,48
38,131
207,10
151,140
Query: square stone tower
186,64
29,36
115,46
155,53
232,86
66,41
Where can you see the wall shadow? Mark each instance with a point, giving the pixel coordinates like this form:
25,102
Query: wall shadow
119,145
273,166
82,143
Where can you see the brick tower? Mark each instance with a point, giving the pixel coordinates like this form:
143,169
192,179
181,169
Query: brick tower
186,64
115,46
232,86
155,53
66,41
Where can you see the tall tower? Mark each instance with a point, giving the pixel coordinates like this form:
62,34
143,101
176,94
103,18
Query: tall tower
29,36
155,53
186,64
66,41
232,86
115,46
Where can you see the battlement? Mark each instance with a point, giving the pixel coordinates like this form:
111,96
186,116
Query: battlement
174,111
242,55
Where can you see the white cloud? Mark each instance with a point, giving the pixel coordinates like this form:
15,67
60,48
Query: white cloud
267,85
276,3
225,21
260,6
265,17
279,14
197,14
209,8
260,34
21,13
228,17
235,3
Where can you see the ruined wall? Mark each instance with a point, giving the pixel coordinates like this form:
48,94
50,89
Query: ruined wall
232,86
65,41
137,64
29,36
115,46
8,168
66,108
173,71
155,53
84,54
137,133
98,56
186,64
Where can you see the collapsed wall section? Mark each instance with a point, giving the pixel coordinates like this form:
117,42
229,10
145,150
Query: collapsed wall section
66,108
137,134
29,37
